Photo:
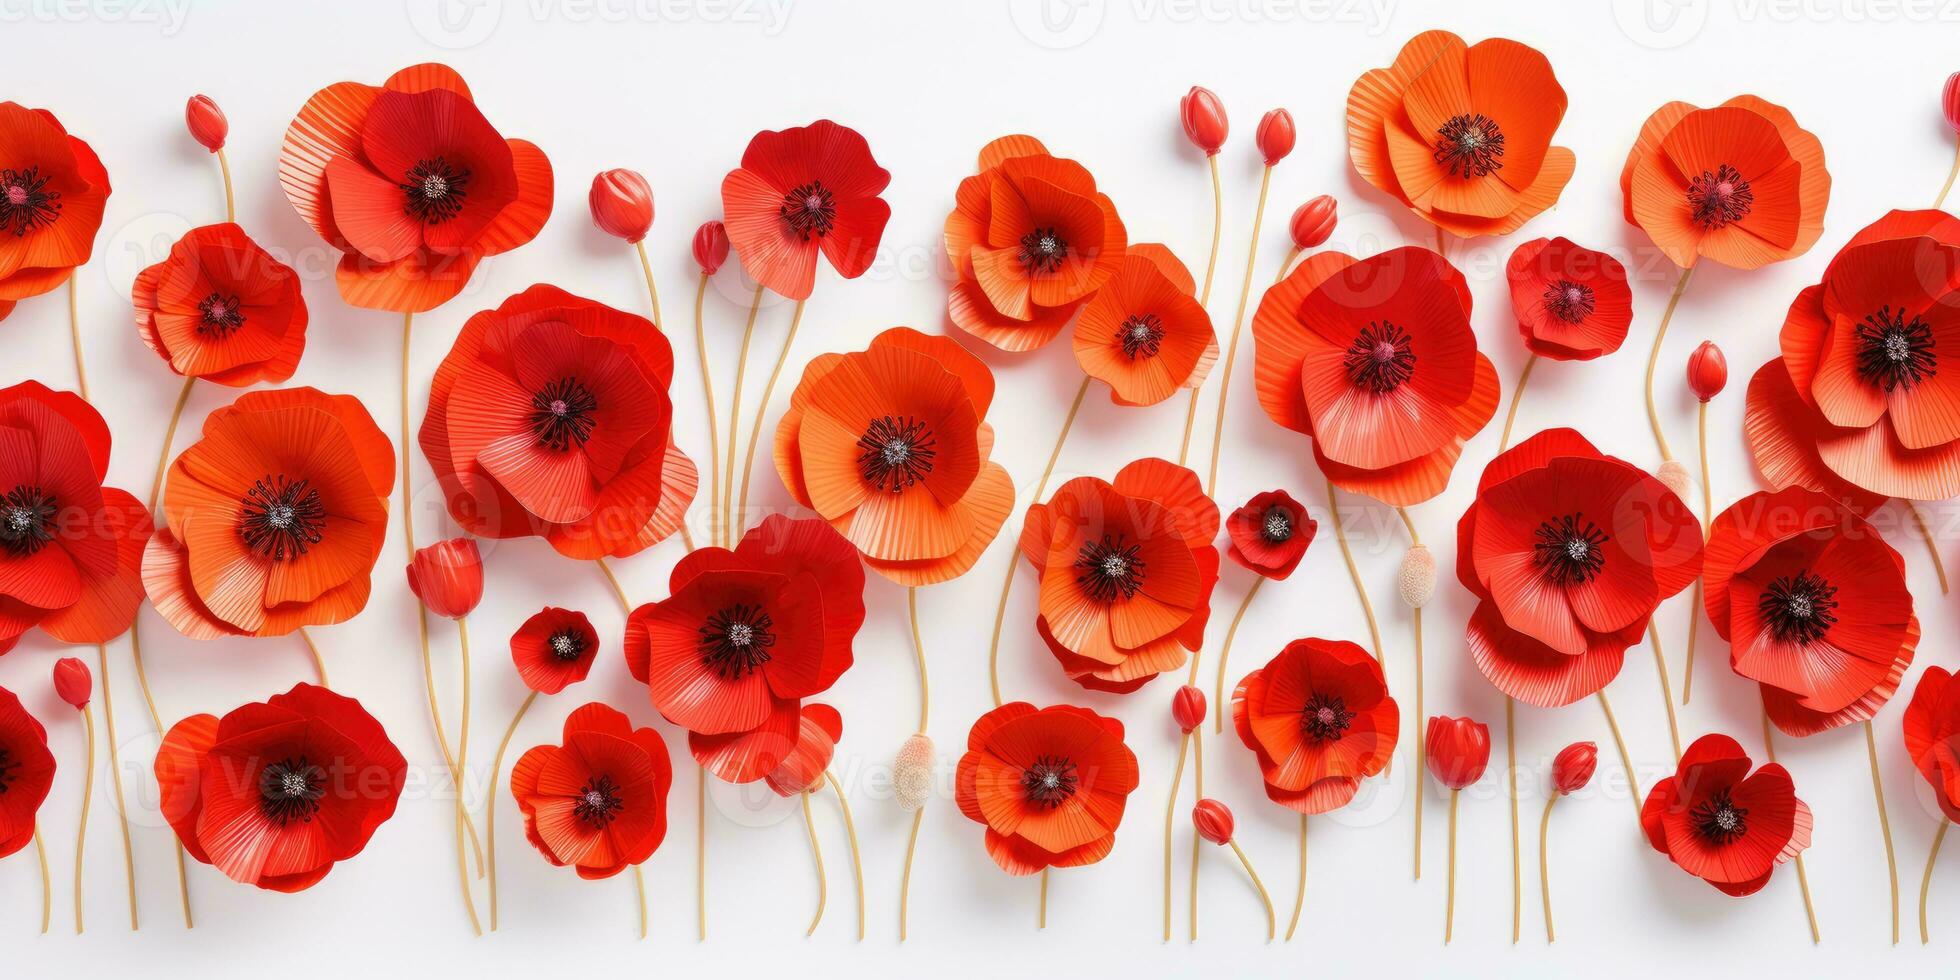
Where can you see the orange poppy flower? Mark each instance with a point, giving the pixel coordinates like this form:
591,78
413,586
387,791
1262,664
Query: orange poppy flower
1375,359
1144,334
1462,135
52,191
1739,183
802,191
26,773
1319,719
889,444
1030,238
1126,569
412,184
222,309
1572,303
598,802
274,519
1049,784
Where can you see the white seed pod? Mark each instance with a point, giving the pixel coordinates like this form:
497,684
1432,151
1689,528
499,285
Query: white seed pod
1417,579
912,772
1674,474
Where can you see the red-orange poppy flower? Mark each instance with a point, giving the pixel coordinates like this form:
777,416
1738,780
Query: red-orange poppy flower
550,416
276,793
890,445
801,191
1814,605
1126,570
1375,359
1270,534
1572,303
274,519
1049,784
598,802
448,577
1932,736
1030,238
1319,720
1719,822
1858,397
1740,183
554,649
1462,135
1144,334
26,772
412,184
222,309
52,191
1569,552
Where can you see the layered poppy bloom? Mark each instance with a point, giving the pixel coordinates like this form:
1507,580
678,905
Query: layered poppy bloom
1569,552
818,732
1932,734
412,184
1144,334
597,802
802,191
1375,360
1723,824
1858,398
890,445
1030,238
1740,183
554,649
26,772
1462,135
1814,605
276,793
1049,784
550,416
1270,534
1126,570
52,191
1319,720
222,309
1572,303
273,520
70,549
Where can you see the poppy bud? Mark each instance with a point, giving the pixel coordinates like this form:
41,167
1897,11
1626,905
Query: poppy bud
1188,708
912,773
1417,578
1573,767
72,681
206,122
622,204
1950,101
1673,474
710,247
1458,750
1313,222
1204,119
1214,821
1275,135
1708,370
448,577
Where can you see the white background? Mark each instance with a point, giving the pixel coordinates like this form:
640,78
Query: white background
675,90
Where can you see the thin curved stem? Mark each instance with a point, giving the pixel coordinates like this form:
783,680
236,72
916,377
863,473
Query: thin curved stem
1925,881
701,853
462,760
115,779
136,627
1422,730
1354,572
1620,743
1545,866
925,712
1517,395
1707,509
1803,876
169,436
1946,188
1884,826
442,740
1654,356
47,889
919,650
1197,842
1667,695
653,295
850,830
905,880
619,592
640,888
1041,910
1238,321
88,797
1449,907
1013,559
1170,822
231,202
1225,653
313,651
1299,896
490,818
735,423
75,335
816,851
408,495
1204,297
762,408
1272,923
1511,782
1932,546
714,422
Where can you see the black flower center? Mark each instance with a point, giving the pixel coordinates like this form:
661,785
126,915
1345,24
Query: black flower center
1799,609
1141,335
1568,551
280,519
1894,352
895,452
566,644
433,190
1325,718
598,801
1109,569
1277,525
810,209
290,790
26,520
1569,301
9,768
1043,250
1718,820
736,640
1470,146
1719,198
218,315
564,414
25,202
1049,782
1380,358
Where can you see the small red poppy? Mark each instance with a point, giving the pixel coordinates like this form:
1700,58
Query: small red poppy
1214,821
26,772
52,192
597,802
801,191
1719,822
1188,708
1319,720
72,682
1270,534
1457,750
1574,766
1572,303
448,577
220,308
1932,735
554,649
1049,784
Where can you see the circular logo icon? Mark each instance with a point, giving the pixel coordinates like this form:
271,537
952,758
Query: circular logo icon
1660,24
455,24
1057,24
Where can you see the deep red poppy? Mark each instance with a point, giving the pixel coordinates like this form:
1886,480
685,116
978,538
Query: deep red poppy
1319,720
1270,534
1457,750
1572,303
26,772
1049,784
1932,735
221,309
801,191
52,191
597,802
554,649
1721,823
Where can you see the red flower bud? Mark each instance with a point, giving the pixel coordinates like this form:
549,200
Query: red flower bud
1458,750
1188,707
710,247
1950,101
448,577
1204,119
1275,135
1313,222
1573,767
206,122
1708,370
1214,821
622,204
72,681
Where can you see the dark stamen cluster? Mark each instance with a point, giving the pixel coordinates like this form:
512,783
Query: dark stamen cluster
1043,250
1570,302
25,201
1325,718
1470,146
1049,782
1141,335
1277,525
735,641
895,452
1720,198
1894,352
1799,608
810,209
433,191
1381,358
1718,820
290,790
598,801
564,414
1108,569
566,644
280,519
26,520
218,316
1568,551
8,766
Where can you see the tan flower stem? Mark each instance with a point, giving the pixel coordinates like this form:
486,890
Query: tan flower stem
1204,297
734,423
1170,822
1422,731
1620,743
1926,535
714,423
919,652
1511,785
231,202
1041,910
1803,877
1517,395
490,815
442,741
701,853
653,295
816,852
115,780
1272,923
1884,826
1360,591
88,797
925,712
1667,696
905,880
1299,896
1946,188
47,890
850,831
1225,653
1707,517
1545,866
1654,356
625,607
640,889
313,651
1014,556
762,410
1925,881
1197,842
462,758
1449,904
136,627
75,335
1238,321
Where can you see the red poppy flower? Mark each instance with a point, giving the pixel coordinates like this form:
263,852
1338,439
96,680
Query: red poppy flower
1569,552
1144,334
448,577
1126,568
550,416
26,772
1814,605
412,184
554,649
801,191
1723,824
274,519
222,309
1049,784
598,802
818,732
1030,238
276,793
1932,734
1270,534
1319,720
890,445
1572,303
52,191
1457,750
1375,360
